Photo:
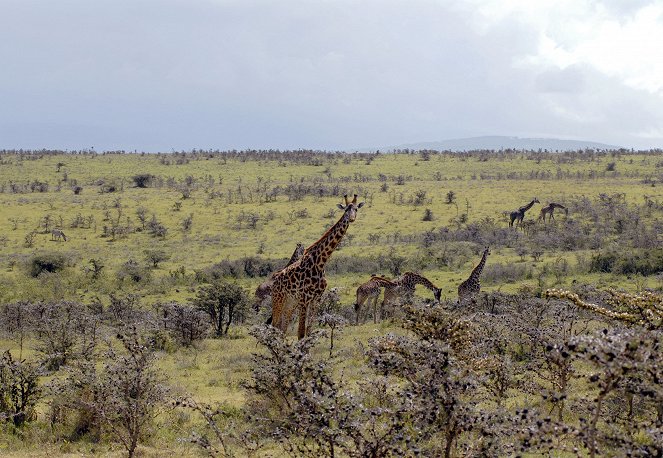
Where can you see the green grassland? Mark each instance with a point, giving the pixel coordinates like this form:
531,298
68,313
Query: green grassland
219,185
260,204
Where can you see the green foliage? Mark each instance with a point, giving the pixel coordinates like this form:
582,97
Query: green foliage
643,262
223,302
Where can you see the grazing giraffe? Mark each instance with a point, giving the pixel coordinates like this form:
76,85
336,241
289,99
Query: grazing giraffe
550,210
301,284
472,286
264,290
518,215
404,287
57,234
370,291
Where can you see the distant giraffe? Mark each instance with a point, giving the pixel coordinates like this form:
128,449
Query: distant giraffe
264,290
518,215
404,287
370,291
300,285
57,234
550,210
472,286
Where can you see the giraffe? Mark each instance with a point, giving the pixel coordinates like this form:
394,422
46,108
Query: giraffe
301,284
518,215
471,287
264,290
57,234
404,288
370,291
550,210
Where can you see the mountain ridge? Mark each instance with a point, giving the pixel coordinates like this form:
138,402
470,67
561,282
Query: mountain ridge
500,142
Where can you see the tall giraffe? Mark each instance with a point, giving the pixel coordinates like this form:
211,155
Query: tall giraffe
471,287
404,287
549,210
300,285
370,291
264,290
518,215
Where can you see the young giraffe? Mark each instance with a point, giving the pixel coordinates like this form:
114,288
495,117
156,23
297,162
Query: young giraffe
550,210
471,287
404,287
370,291
264,290
518,215
300,285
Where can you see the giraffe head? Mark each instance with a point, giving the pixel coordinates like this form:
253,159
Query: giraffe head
437,293
486,251
351,208
536,201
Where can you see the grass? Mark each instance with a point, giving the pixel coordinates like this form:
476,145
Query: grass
222,189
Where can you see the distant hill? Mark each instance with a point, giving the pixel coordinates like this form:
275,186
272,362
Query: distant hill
500,142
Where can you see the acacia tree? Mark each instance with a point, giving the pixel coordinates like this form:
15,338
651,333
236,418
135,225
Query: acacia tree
221,300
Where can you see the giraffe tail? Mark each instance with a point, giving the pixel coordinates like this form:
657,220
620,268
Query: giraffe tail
269,320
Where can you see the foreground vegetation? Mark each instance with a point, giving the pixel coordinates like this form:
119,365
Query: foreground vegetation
138,333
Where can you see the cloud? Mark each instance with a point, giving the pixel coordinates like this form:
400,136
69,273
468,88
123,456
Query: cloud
167,74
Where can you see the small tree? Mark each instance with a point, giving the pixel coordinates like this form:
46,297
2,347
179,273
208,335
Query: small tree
335,323
129,392
141,213
220,300
156,228
19,389
156,256
187,223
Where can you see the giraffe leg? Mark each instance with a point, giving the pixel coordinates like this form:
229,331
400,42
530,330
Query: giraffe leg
301,329
278,301
361,299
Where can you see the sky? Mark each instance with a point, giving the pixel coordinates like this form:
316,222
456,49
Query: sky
172,75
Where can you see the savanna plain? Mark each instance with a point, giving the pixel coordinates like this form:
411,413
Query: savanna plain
130,326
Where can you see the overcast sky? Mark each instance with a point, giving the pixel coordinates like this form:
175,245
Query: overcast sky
166,75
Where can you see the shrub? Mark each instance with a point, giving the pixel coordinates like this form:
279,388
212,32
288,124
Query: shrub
133,271
155,257
46,262
143,180
129,391
221,301
185,323
19,390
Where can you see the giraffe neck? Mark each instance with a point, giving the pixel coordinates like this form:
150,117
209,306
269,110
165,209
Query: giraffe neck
322,250
421,280
381,281
527,207
295,255
479,268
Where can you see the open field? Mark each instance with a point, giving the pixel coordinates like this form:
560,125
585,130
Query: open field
147,230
